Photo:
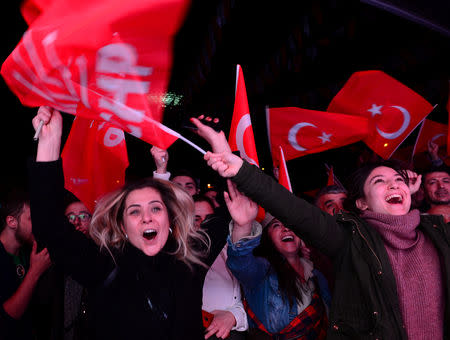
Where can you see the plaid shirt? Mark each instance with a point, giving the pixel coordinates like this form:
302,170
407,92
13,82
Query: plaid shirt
311,324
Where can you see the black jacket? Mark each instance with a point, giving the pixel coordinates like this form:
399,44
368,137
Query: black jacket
365,301
139,297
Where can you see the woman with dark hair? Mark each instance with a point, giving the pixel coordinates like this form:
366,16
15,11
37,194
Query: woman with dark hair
283,297
392,264
144,263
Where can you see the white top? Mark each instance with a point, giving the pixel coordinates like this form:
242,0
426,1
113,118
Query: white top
165,176
221,291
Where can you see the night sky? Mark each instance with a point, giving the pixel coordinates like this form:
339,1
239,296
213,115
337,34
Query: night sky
291,54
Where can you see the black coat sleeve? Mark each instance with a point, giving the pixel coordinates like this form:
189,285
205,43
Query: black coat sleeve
77,255
216,227
310,223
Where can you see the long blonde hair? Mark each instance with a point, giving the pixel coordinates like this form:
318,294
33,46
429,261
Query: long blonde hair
107,220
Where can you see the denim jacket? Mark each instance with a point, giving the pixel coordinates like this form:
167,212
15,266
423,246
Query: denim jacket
260,284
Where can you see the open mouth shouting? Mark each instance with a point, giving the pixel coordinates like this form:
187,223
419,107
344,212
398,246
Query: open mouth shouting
149,234
394,199
287,238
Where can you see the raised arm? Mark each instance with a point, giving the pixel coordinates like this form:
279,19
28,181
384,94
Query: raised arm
242,210
307,221
79,256
161,158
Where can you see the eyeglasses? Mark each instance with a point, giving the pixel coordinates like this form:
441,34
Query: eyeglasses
82,217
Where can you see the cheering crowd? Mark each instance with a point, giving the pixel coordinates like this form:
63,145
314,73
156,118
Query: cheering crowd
158,259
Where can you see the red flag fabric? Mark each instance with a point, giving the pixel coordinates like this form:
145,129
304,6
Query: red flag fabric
301,132
436,132
94,160
448,111
393,109
283,177
31,9
330,177
241,132
99,59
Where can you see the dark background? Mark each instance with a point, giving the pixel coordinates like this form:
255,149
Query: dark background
293,53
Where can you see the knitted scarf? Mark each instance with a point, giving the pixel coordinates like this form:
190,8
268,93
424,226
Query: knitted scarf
416,267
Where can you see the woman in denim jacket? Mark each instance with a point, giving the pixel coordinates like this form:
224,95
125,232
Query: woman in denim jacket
280,286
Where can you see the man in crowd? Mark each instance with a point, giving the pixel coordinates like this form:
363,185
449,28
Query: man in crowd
331,199
20,271
436,185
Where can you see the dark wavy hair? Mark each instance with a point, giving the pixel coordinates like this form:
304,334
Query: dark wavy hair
288,283
355,182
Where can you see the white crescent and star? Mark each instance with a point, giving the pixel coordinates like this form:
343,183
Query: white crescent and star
437,136
294,131
376,110
243,124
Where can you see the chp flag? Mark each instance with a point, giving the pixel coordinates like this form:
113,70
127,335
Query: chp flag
94,160
99,59
393,109
301,132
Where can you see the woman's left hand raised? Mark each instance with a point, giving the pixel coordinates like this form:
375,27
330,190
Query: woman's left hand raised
414,181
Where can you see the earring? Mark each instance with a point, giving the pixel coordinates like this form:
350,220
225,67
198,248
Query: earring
126,236
170,230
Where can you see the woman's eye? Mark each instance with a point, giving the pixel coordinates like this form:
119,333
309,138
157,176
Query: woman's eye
134,212
379,180
400,179
156,209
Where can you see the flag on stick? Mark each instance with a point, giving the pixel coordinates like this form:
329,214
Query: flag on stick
283,177
98,59
430,131
301,132
393,109
241,132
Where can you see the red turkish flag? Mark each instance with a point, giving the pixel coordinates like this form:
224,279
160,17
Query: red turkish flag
94,160
393,109
283,177
430,130
330,180
241,132
301,132
448,111
100,59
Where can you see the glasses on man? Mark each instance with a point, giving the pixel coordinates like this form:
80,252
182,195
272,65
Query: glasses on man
82,217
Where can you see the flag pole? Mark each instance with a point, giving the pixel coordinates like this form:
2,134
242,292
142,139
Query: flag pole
196,147
411,160
38,130
174,133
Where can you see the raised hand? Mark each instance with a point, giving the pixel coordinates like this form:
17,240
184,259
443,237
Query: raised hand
414,181
50,136
433,150
226,164
52,122
39,261
221,325
161,157
217,140
242,209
